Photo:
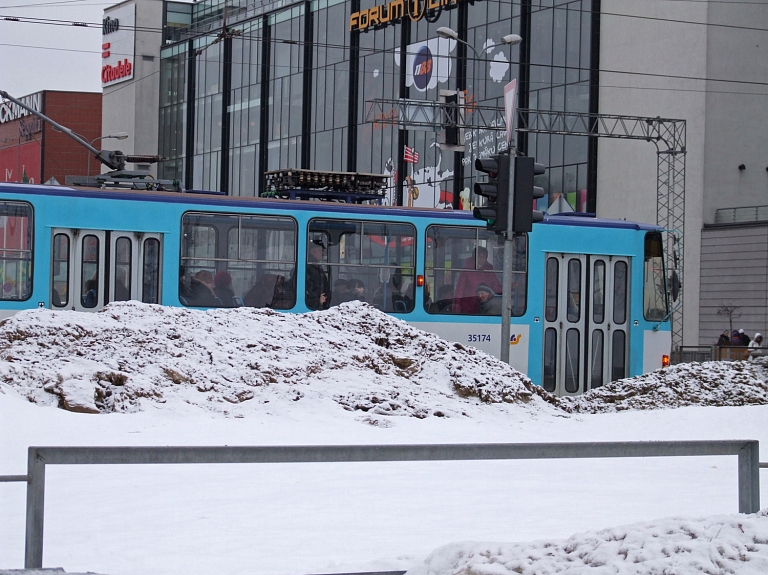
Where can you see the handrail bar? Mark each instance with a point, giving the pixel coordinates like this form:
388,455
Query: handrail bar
38,457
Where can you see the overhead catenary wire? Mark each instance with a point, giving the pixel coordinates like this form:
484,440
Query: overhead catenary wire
565,7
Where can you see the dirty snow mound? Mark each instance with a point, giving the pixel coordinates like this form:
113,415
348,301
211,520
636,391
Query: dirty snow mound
131,355
711,383
721,544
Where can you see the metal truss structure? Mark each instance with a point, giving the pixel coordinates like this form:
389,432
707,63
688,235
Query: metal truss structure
668,135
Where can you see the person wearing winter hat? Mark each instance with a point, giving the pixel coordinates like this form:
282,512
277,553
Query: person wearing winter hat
744,337
755,345
487,301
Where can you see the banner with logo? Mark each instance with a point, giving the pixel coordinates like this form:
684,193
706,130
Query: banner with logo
118,45
428,63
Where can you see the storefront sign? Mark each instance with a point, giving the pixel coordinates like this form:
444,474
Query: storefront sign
118,40
10,111
395,11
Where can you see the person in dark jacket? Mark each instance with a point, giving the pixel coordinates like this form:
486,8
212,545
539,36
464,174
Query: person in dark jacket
222,288
744,338
317,287
724,339
487,301
201,290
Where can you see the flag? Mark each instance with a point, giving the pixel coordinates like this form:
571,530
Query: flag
410,155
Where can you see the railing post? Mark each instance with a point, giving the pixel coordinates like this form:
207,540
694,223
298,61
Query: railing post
749,477
33,545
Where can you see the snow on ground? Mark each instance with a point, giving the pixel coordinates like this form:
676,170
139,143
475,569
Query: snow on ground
721,544
230,361
162,376
717,383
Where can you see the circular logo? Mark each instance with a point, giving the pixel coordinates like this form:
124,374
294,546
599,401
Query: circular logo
422,68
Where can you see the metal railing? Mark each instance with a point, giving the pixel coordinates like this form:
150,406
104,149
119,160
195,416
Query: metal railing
691,353
38,457
741,215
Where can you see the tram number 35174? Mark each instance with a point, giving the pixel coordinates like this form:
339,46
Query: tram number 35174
477,337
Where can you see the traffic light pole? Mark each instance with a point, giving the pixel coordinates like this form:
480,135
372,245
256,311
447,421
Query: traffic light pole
506,280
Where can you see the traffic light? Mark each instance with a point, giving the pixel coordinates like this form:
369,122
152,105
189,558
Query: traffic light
495,190
452,132
523,212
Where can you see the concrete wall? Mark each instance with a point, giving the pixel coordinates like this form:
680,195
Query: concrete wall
132,106
661,57
737,114
734,272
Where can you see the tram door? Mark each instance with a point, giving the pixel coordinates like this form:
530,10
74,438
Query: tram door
585,322
91,268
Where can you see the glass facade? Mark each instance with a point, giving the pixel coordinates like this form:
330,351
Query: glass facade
289,89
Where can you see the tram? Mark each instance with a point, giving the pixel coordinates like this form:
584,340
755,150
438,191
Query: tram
589,297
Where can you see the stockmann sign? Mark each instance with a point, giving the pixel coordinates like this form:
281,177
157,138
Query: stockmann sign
394,11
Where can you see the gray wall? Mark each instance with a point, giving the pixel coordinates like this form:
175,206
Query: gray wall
660,55
132,106
737,114
734,271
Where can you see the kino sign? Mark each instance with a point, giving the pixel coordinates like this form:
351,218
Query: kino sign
118,40
395,11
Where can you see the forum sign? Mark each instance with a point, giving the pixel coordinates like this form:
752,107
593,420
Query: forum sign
394,11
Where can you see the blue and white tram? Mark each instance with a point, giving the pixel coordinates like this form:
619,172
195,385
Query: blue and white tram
589,301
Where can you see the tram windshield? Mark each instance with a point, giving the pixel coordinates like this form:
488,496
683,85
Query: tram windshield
655,305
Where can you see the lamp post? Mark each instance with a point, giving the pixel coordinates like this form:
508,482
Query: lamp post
116,136
509,236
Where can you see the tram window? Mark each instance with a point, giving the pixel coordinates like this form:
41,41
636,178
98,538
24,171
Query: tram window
598,292
550,291
596,359
618,356
89,266
620,293
574,290
572,356
122,271
461,259
360,260
654,287
150,284
549,380
229,260
16,250
60,275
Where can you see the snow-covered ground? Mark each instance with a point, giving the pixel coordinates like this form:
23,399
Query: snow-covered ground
146,375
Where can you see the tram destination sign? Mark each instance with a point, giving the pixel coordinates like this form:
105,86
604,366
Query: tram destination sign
394,11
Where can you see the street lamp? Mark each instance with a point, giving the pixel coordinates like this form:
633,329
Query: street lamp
115,136
450,34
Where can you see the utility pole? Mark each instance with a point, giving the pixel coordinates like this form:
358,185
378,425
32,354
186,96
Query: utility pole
506,280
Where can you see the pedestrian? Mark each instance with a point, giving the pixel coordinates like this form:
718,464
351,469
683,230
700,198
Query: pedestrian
755,344
744,338
724,339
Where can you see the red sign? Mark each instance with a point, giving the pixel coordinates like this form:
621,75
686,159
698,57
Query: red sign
16,161
121,70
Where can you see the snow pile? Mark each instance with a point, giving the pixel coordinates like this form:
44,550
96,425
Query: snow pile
720,383
131,355
719,544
